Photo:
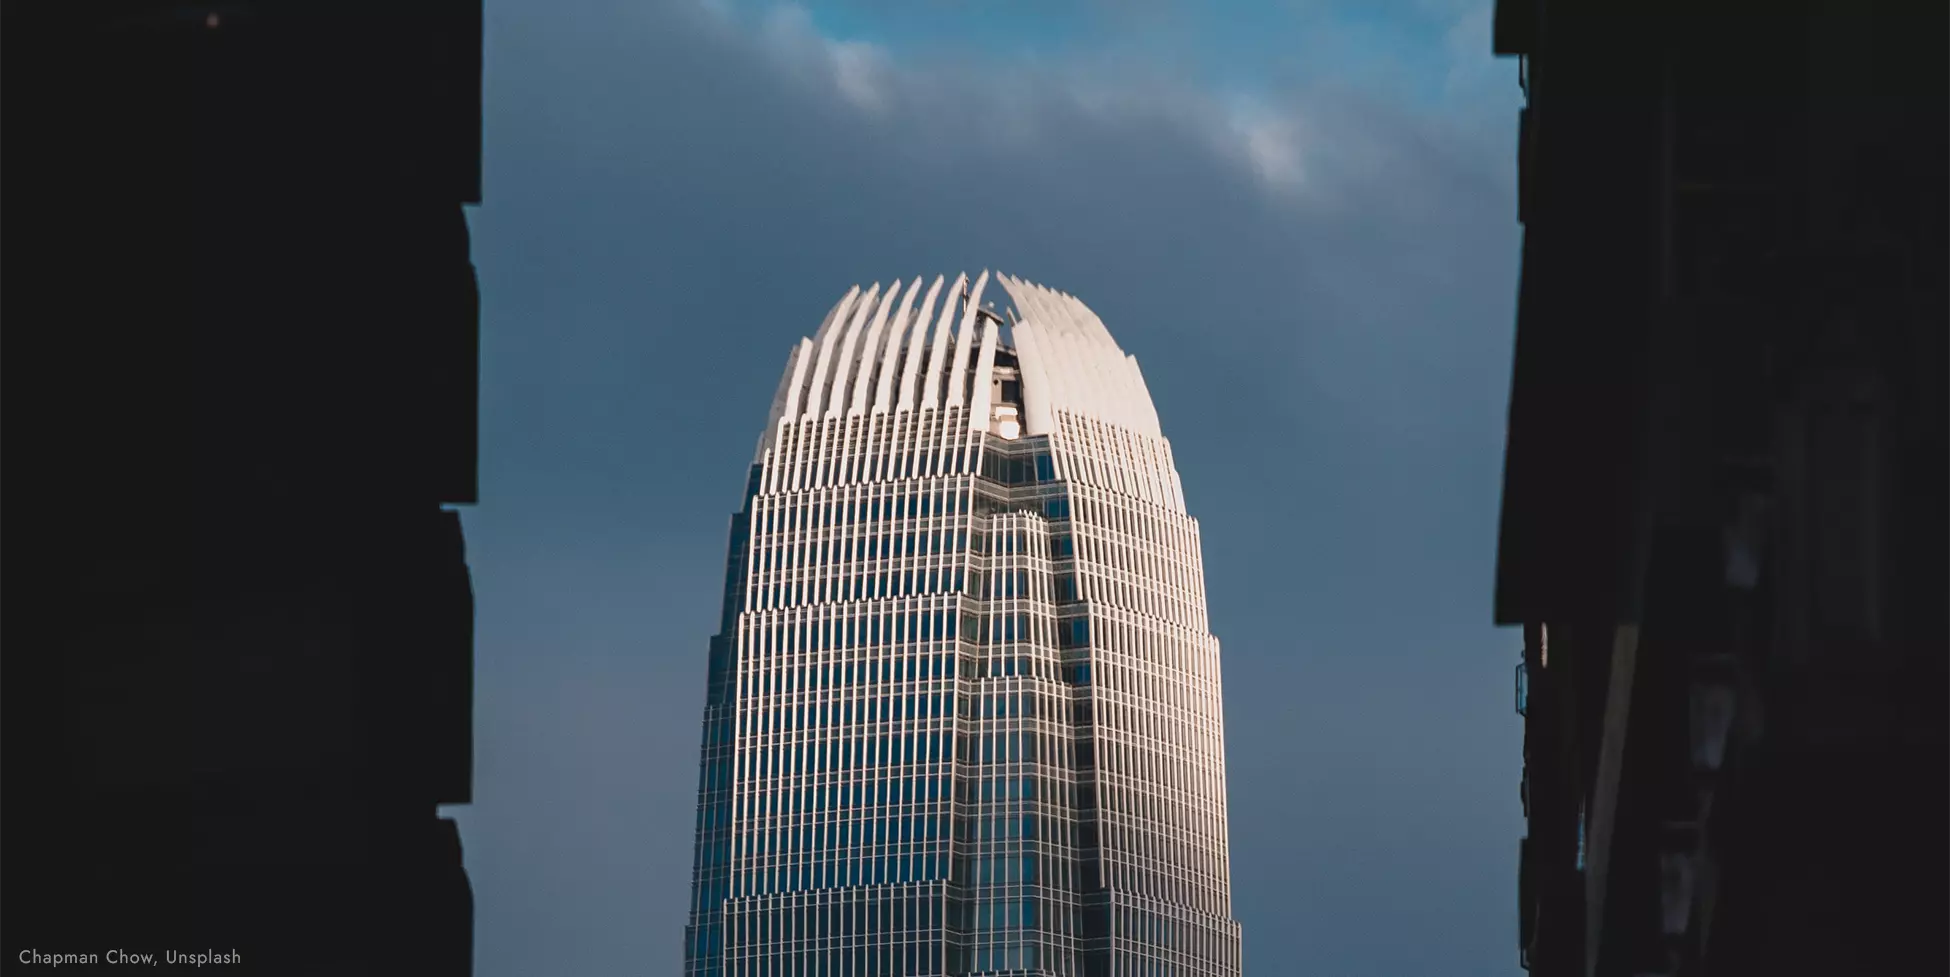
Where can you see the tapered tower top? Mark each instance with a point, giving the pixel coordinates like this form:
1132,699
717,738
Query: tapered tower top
908,350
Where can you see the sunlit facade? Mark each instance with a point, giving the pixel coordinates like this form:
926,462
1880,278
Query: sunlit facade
964,707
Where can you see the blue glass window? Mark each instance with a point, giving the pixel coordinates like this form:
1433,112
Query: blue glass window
1065,587
1073,632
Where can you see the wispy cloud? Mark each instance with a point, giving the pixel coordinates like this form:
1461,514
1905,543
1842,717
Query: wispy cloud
860,72
1297,140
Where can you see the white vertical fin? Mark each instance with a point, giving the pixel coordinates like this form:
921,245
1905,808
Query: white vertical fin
931,380
916,345
780,401
978,414
1037,418
1080,357
1106,361
1089,318
965,341
843,364
1137,398
801,361
870,353
833,315
784,468
1073,378
816,395
1148,410
1044,369
883,397
1104,401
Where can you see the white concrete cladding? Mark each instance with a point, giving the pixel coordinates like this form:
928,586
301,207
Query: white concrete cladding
965,712
1069,362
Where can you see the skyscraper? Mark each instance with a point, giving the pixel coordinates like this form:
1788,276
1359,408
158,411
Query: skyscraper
963,712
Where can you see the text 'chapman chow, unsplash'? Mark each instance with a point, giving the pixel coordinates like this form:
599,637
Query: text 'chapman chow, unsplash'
963,713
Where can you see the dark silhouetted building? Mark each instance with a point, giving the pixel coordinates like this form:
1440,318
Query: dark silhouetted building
241,341
1723,525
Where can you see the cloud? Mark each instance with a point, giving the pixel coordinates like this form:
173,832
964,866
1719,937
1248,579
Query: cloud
1288,139
860,69
1272,146
856,70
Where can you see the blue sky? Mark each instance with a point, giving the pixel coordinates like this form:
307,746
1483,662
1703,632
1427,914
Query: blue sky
1297,216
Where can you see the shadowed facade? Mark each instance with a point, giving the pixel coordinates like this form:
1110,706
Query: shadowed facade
1724,498
241,327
